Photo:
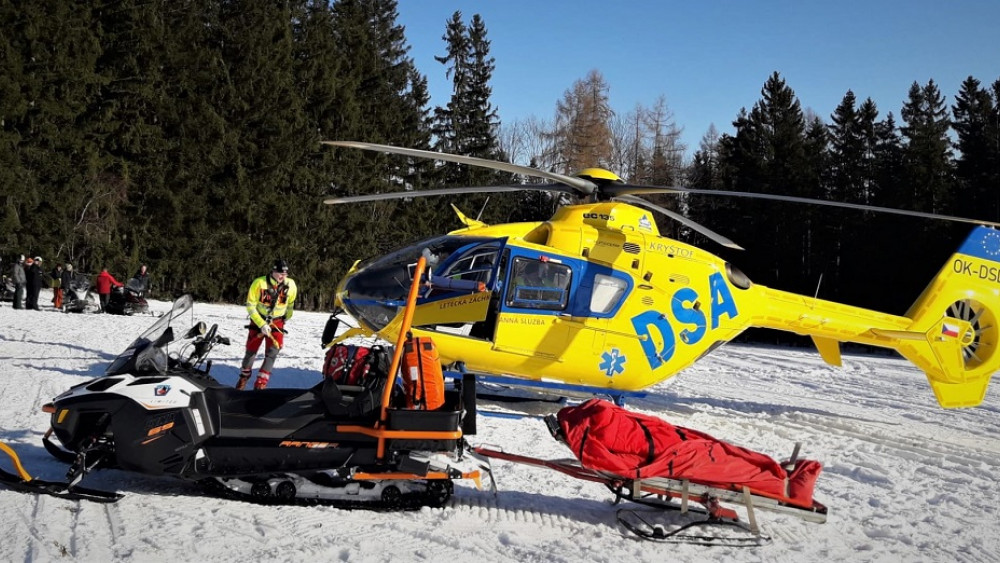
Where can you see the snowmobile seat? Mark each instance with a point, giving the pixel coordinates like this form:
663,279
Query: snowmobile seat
265,412
355,402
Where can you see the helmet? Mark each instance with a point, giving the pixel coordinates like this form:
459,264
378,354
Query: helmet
69,267
39,259
21,258
280,266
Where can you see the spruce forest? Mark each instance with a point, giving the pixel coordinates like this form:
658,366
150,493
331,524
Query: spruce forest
186,136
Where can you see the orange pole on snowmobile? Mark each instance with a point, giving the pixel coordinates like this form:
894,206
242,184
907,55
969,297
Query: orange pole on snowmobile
404,328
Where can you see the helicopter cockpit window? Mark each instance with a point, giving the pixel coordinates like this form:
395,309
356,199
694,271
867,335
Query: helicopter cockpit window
478,266
539,285
608,292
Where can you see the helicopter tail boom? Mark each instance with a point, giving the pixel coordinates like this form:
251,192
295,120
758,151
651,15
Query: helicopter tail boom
951,332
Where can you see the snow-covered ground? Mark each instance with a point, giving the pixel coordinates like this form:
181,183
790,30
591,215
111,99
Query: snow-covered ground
904,480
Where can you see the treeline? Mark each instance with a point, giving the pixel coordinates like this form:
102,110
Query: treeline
186,135
940,159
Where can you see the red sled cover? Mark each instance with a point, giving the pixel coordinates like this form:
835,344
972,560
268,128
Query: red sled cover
609,438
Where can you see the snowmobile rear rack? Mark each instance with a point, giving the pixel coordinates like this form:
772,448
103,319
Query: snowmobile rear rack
661,493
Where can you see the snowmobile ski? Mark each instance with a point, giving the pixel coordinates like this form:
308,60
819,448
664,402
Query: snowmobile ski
22,481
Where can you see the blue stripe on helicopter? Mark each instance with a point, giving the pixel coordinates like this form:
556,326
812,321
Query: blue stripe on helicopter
553,386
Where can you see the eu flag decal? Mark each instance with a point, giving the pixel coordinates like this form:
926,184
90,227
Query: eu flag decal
984,243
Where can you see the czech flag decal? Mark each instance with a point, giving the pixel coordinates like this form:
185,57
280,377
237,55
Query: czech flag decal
948,329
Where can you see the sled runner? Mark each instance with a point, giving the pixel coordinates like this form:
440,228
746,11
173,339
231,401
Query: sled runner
650,462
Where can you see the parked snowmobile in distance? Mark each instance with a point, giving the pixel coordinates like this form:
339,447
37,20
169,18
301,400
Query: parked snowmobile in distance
158,411
7,289
77,297
128,299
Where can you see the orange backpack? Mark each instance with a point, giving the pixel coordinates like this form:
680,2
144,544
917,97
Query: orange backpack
423,378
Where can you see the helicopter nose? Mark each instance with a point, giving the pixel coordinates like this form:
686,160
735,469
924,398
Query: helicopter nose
373,295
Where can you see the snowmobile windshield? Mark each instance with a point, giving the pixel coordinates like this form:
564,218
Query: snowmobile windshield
141,355
135,285
80,282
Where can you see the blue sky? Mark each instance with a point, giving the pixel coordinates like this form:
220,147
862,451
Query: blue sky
711,58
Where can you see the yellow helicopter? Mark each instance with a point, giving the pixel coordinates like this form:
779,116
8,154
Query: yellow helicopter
595,299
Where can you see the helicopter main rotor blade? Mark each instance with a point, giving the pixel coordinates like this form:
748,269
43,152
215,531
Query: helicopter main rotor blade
450,191
619,190
681,219
580,185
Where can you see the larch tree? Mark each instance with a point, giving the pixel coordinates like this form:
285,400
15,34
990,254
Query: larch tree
581,135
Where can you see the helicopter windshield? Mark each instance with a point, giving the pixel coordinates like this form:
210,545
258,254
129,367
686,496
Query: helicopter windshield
128,359
377,290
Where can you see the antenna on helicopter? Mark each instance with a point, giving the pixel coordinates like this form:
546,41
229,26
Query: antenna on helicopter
483,209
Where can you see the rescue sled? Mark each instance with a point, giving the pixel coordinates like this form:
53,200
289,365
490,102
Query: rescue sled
158,411
676,477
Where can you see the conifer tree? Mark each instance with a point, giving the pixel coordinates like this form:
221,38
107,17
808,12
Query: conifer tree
976,168
65,204
192,116
927,154
847,181
928,175
387,104
706,173
468,123
327,98
456,126
128,122
768,155
887,162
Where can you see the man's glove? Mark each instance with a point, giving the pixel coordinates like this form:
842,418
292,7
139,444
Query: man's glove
266,330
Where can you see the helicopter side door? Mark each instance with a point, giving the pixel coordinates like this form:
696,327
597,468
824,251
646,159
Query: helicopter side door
566,317
537,293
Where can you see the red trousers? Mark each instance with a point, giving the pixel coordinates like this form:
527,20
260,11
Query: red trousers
256,337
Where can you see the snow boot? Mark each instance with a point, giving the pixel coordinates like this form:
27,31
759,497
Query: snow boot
244,377
261,382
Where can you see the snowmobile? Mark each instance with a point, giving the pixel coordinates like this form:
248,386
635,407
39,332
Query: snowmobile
77,298
159,411
128,299
7,289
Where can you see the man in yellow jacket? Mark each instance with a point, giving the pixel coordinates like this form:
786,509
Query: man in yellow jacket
270,303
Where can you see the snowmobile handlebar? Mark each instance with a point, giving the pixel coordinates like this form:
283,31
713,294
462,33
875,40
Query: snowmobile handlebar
203,344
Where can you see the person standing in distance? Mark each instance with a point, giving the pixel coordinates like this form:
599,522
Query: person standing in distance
270,303
104,282
20,281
